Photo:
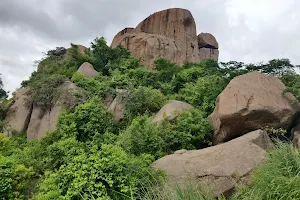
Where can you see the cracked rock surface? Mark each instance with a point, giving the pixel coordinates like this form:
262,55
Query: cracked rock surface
218,168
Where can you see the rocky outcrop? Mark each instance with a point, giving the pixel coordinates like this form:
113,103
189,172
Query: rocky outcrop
18,116
87,70
219,168
45,120
169,34
250,102
121,33
208,46
117,107
149,47
171,110
178,25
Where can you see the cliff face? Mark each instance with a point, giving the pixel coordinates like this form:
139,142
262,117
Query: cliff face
170,34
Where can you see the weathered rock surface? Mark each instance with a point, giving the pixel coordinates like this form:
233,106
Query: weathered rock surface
121,33
18,116
117,107
87,70
250,102
219,168
149,47
176,24
208,53
172,110
45,120
207,40
169,34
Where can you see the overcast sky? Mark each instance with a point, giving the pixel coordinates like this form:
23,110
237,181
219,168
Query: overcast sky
247,30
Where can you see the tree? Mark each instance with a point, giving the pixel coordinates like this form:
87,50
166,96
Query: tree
3,93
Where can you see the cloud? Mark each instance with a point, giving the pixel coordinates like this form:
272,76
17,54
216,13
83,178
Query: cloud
248,30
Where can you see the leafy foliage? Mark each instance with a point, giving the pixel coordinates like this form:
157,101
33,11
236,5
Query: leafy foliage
90,156
144,99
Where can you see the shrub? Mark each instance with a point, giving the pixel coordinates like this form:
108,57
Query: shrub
97,86
142,136
104,54
191,130
144,99
203,92
102,173
43,91
88,120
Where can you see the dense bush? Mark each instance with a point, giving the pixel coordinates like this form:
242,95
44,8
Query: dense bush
191,130
144,99
203,92
99,174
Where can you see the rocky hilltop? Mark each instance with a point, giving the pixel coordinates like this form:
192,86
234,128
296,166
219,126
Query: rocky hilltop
97,123
170,34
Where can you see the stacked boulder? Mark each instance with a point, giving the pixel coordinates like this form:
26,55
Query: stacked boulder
169,34
249,103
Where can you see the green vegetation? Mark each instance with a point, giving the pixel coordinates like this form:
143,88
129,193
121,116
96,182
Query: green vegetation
91,156
277,178
3,105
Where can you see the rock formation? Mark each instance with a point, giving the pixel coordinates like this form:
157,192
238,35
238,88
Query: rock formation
45,120
208,46
171,110
169,34
117,107
250,102
18,116
220,168
37,121
87,70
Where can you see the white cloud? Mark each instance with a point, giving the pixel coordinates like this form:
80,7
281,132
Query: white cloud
247,30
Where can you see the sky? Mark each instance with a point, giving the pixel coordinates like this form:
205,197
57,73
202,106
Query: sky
247,30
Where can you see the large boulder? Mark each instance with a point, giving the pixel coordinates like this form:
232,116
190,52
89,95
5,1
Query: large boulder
18,115
208,46
117,107
87,70
177,24
207,40
250,102
218,168
45,120
172,110
148,47
169,34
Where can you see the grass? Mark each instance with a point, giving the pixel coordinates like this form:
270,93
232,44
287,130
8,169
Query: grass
278,178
